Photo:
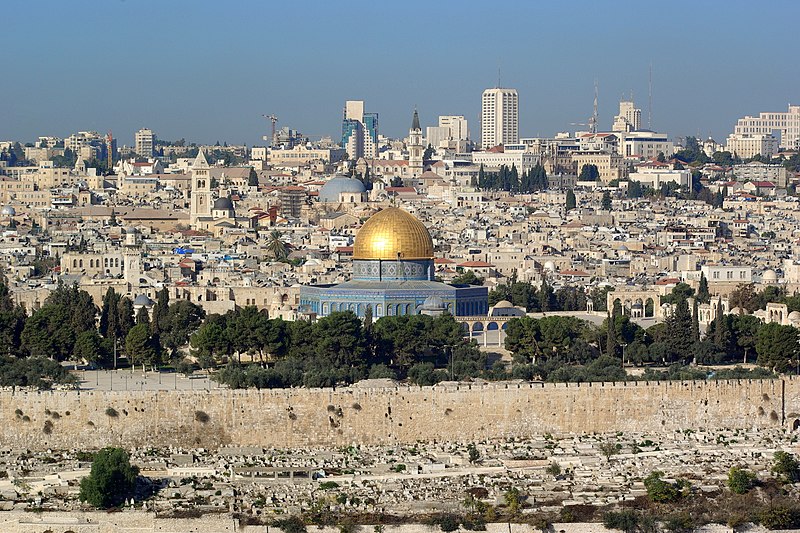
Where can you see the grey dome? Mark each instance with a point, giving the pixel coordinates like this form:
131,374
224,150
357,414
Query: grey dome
142,299
338,184
433,302
8,211
223,204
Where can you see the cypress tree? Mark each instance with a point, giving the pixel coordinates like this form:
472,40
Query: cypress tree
611,334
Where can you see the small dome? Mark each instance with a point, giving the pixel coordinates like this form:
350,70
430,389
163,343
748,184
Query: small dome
769,275
8,211
433,302
223,204
503,304
340,184
142,299
736,311
549,265
794,316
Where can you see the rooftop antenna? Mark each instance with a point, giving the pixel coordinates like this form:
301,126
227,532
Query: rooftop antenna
593,120
650,98
498,77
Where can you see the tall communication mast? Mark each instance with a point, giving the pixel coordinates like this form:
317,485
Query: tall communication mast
274,120
593,120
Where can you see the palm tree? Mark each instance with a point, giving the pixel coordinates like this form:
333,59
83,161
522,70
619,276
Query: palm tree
276,246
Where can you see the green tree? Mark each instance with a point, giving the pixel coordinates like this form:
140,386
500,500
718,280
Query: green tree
589,173
111,481
740,480
611,335
89,347
210,341
252,178
467,277
703,295
276,246
661,491
181,320
571,200
141,347
679,332
143,316
605,203
786,467
776,346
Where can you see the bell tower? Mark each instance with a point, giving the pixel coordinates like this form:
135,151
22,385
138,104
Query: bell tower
415,148
201,190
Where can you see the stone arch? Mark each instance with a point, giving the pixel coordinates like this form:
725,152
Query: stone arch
325,308
649,308
360,310
492,326
477,326
794,425
379,310
617,306
407,310
465,327
504,326
334,307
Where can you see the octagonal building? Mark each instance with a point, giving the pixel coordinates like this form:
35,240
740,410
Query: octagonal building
393,273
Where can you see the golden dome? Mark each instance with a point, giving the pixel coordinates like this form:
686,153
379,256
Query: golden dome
393,234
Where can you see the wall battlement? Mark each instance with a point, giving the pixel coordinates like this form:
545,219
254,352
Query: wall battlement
461,412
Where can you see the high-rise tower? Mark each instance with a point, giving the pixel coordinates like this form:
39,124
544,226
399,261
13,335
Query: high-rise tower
499,117
359,131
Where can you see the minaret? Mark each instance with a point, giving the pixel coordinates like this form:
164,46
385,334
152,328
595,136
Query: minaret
415,148
201,190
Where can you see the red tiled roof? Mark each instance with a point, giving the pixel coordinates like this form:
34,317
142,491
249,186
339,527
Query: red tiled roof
475,264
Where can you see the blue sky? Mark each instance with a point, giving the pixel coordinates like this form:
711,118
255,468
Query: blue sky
207,71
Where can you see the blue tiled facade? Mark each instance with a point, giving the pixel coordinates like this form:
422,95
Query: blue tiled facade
393,288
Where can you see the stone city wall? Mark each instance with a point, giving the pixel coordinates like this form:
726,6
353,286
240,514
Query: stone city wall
333,417
142,522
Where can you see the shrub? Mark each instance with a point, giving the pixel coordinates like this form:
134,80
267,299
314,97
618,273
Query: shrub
780,517
292,524
626,520
48,427
740,481
786,467
112,412
661,491
201,417
328,485
554,469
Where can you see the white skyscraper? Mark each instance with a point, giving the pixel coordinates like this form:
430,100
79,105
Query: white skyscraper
145,142
457,124
499,117
629,118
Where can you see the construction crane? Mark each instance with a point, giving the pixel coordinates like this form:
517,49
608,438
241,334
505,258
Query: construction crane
274,120
592,124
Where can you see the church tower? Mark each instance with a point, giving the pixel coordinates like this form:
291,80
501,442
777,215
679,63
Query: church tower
415,148
201,190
